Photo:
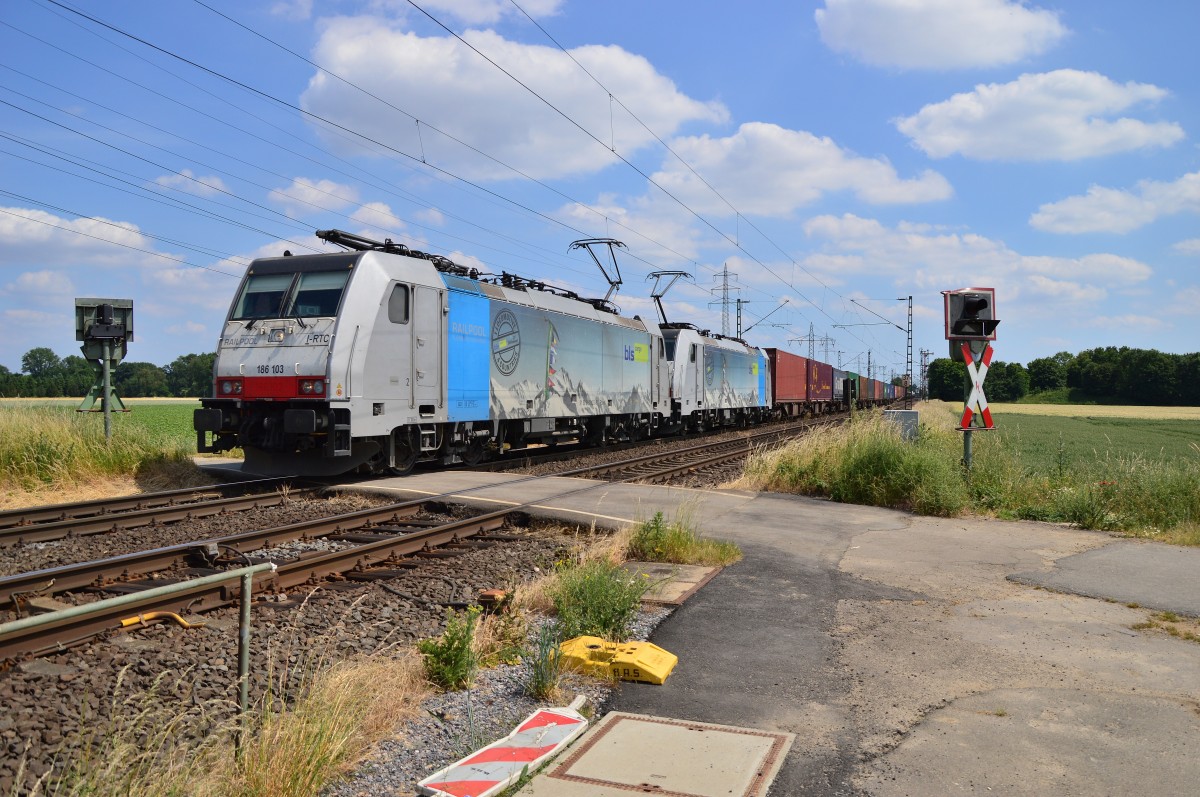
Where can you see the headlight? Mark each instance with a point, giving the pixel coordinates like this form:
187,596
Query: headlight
310,387
230,386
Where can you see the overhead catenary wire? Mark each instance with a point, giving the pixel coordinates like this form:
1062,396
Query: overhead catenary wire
524,207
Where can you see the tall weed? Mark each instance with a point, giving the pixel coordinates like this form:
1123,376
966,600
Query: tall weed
451,660
676,541
43,446
597,598
866,462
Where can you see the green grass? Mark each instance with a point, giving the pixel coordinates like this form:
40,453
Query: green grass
1136,476
45,444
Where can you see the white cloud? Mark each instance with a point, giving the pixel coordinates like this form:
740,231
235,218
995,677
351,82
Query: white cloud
187,328
41,283
1189,247
470,99
298,10
305,196
1106,267
945,260
1068,290
938,34
767,170
1127,321
34,236
650,223
188,182
1060,115
1184,302
1115,210
378,216
431,216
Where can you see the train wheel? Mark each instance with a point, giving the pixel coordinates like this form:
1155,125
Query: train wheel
475,452
406,454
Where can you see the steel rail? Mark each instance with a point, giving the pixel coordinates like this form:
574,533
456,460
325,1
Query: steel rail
31,638
123,567
741,447
103,524
103,506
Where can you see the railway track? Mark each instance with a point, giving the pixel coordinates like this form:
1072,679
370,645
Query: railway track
536,458
660,467
53,513
384,540
376,543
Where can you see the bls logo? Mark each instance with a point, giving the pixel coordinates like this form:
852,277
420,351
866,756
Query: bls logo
629,354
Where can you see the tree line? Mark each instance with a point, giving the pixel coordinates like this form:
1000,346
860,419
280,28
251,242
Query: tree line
46,375
1109,374
1120,375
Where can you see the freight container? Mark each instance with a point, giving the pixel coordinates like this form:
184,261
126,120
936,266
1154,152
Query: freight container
838,377
789,377
820,381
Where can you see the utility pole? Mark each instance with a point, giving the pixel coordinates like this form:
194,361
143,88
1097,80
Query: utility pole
925,354
723,291
908,371
740,302
827,343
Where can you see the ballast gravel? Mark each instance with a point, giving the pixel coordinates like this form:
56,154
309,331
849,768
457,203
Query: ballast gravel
454,724
50,703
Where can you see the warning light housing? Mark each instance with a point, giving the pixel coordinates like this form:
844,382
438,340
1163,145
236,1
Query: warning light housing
971,314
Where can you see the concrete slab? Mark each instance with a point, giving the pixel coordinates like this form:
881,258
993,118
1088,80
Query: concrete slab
573,500
671,584
1045,741
1156,576
629,753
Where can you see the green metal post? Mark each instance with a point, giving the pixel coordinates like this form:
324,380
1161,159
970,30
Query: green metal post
243,660
105,404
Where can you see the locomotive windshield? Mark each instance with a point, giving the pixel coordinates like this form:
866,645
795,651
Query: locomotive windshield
307,294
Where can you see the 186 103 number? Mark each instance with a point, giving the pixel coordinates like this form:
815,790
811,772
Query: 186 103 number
270,369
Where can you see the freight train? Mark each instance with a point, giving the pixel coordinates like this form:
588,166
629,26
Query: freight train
382,356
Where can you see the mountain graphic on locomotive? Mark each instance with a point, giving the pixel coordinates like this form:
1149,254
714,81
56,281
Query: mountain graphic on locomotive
381,356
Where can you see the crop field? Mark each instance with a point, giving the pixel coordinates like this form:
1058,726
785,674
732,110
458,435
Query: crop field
1049,442
1098,411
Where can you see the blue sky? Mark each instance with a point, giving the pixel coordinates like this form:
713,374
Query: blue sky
833,155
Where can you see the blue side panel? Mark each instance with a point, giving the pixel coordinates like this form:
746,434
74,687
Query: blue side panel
468,382
763,398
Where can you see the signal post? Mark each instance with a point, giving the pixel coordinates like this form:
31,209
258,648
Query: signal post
970,327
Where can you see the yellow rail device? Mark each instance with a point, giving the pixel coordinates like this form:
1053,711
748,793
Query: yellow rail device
626,661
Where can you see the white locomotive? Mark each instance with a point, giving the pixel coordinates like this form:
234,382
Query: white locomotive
382,356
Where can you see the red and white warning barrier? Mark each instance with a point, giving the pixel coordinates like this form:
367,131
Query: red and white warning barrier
977,401
493,768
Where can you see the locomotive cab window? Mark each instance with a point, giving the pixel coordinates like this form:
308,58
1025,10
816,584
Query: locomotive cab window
318,293
308,294
398,305
693,357
263,296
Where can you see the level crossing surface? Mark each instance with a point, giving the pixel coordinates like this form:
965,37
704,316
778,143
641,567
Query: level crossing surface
908,655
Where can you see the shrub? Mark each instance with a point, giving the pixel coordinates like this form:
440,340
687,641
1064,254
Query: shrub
450,660
597,598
